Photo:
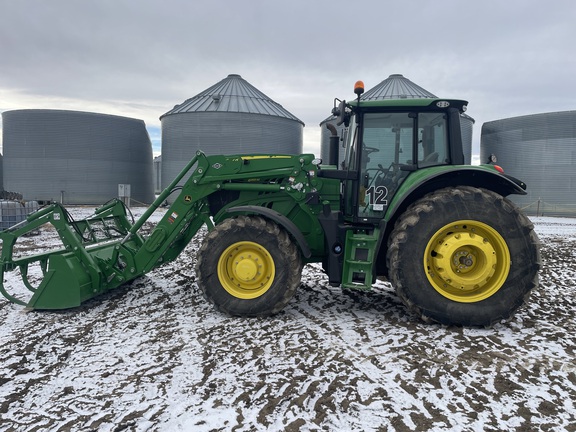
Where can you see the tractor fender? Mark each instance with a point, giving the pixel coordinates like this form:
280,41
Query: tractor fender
280,219
425,181
476,176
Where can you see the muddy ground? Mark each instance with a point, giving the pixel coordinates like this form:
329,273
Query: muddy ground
154,356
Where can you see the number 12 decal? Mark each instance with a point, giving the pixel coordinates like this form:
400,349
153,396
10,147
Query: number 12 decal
377,197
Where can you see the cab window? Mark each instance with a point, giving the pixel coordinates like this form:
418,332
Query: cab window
432,141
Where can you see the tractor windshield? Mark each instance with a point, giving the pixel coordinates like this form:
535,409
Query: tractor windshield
393,145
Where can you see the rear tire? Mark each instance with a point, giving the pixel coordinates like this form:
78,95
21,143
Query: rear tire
248,266
464,256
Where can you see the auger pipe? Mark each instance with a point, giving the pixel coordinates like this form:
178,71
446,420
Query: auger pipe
161,198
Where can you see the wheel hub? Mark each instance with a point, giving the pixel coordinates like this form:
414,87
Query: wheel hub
464,260
246,270
467,261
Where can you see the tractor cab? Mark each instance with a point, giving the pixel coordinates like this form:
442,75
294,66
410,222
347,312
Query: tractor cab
387,140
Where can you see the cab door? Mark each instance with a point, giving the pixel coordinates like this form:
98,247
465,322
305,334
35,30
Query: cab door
386,151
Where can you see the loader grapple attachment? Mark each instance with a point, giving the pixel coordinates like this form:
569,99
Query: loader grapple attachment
101,252
64,277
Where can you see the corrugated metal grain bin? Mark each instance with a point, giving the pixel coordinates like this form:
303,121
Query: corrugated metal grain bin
396,86
231,117
539,149
76,157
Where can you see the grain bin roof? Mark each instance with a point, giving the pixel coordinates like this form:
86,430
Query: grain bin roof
232,94
397,87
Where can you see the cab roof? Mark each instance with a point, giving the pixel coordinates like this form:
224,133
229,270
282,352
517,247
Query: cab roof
437,104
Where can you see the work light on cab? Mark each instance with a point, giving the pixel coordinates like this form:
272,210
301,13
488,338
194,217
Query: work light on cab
359,88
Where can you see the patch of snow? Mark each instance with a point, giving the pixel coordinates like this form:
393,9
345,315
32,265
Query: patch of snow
155,356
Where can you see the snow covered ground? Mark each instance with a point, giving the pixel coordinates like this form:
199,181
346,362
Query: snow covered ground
154,356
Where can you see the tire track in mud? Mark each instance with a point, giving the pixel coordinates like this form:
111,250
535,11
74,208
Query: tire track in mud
333,345
155,356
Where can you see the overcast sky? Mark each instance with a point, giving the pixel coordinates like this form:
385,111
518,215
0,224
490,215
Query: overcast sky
139,58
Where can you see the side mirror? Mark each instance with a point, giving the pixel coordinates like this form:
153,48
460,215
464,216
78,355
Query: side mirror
342,113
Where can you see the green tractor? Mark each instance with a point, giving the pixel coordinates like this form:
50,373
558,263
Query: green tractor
401,206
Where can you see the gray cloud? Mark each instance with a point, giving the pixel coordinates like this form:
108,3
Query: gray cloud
141,58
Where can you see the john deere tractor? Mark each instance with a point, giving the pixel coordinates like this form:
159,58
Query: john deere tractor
402,206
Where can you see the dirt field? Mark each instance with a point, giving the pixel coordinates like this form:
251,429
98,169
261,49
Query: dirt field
154,356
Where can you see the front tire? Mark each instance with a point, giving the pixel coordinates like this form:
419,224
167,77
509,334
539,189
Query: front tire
463,256
248,266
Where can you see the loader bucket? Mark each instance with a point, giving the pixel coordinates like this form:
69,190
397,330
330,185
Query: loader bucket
65,277
64,286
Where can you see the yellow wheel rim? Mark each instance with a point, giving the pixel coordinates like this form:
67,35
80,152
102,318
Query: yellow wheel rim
246,270
467,261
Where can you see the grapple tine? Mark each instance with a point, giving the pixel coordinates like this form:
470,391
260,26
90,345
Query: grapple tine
7,294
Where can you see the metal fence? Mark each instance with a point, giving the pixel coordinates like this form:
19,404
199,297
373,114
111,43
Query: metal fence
544,208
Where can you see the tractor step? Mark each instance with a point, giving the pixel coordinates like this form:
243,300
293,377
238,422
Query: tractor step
359,259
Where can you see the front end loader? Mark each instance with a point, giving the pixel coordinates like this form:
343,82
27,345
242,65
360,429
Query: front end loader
402,206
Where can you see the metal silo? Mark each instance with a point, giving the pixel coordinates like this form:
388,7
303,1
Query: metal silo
76,157
396,86
231,117
539,149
